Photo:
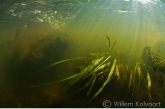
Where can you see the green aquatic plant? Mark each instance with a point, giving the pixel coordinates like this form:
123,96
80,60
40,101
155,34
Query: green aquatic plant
97,67
105,65
136,74
105,62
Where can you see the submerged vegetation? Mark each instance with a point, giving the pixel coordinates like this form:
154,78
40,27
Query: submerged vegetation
105,67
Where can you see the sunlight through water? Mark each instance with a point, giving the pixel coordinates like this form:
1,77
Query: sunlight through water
132,20
39,33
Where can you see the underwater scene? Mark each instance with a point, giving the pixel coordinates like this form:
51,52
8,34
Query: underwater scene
82,53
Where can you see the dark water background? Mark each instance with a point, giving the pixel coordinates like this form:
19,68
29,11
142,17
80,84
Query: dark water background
28,41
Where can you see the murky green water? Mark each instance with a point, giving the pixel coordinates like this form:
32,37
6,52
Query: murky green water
35,34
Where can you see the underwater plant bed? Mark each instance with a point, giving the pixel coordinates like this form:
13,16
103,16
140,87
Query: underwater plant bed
106,78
